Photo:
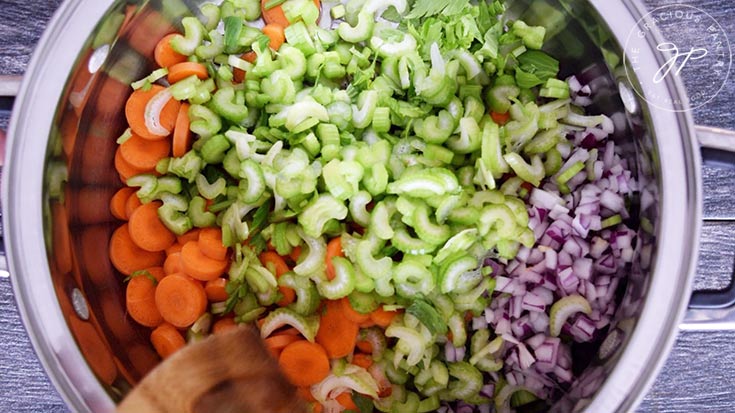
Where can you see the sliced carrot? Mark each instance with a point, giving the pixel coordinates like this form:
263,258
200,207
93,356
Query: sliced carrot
295,254
277,265
362,360
210,242
183,137
142,153
334,249
124,168
140,297
287,332
192,235
274,262
128,257
304,363
276,344
166,339
132,204
367,324
118,202
165,55
351,314
181,71
181,300
176,247
135,111
383,318
336,332
239,74
345,399
276,33
216,290
500,118
147,230
364,346
172,265
275,15
223,324
199,266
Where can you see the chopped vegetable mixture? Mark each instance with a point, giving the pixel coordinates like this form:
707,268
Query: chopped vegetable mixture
407,201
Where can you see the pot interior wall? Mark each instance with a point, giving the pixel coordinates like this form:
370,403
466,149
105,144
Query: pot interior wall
91,117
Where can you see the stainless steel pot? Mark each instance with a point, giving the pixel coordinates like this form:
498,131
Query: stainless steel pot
58,182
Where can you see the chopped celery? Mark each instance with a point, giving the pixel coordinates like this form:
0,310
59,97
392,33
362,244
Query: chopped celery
361,32
194,34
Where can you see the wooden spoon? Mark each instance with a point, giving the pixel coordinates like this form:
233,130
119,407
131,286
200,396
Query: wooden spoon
227,373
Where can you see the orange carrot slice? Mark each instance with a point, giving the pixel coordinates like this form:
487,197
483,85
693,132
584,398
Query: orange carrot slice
140,297
165,55
183,137
166,339
277,265
362,360
125,169
192,235
135,112
147,230
337,334
500,118
351,314
277,35
119,201
181,71
383,318
276,344
216,290
345,399
199,266
210,242
224,324
275,15
334,249
180,300
304,363
144,154
132,204
128,257
172,265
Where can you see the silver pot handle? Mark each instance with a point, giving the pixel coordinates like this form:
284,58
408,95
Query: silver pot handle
713,309
9,86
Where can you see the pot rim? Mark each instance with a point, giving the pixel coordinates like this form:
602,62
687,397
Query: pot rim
22,195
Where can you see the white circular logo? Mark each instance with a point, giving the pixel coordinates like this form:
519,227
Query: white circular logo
696,50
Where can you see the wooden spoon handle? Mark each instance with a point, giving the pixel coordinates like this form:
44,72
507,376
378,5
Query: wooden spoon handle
231,372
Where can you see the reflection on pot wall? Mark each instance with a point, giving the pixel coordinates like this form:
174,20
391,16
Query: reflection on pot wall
80,182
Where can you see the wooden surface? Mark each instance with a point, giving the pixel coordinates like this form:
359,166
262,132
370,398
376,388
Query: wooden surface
698,377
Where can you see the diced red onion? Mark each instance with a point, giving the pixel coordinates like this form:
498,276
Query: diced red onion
533,302
583,329
544,199
525,357
479,323
550,258
488,390
583,268
536,341
536,257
